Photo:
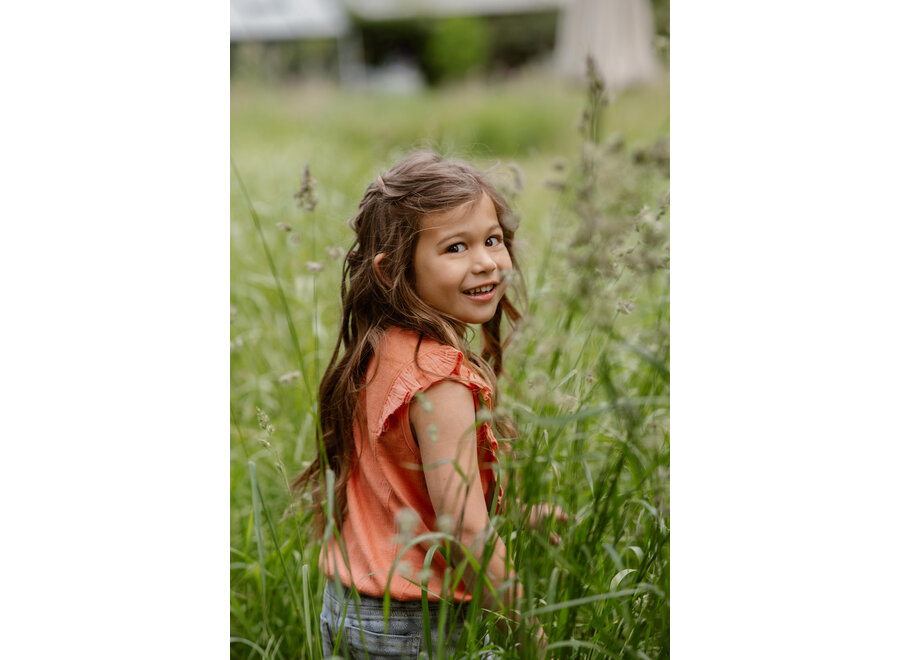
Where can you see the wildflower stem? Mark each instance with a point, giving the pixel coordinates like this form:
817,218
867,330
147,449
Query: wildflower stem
287,311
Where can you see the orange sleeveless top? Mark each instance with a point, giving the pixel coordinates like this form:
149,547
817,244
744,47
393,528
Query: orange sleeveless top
387,496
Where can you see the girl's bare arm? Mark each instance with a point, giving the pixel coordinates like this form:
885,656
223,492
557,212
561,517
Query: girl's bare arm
445,429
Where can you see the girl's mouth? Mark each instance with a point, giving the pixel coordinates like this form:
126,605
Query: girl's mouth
485,292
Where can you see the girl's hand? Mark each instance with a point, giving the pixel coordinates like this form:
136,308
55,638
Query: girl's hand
543,512
541,639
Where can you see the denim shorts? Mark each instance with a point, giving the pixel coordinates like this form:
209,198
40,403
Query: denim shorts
360,629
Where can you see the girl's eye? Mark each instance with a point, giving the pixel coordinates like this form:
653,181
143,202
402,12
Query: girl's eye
456,247
494,241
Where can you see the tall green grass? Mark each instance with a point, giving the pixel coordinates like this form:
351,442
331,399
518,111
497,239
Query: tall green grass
587,371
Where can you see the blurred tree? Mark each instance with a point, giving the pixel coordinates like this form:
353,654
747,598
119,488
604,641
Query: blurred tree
456,47
661,17
449,48
517,39
384,41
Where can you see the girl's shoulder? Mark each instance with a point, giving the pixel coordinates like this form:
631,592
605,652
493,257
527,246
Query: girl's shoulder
407,363
402,345
407,353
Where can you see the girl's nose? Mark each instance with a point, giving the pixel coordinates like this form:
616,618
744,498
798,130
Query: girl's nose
483,262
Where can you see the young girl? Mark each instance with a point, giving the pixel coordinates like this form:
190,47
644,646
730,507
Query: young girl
398,404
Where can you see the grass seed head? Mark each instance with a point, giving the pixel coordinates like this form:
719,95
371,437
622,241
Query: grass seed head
565,402
424,401
262,418
518,182
288,378
445,523
336,252
406,520
306,196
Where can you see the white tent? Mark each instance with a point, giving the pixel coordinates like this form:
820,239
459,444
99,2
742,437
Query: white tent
618,34
273,20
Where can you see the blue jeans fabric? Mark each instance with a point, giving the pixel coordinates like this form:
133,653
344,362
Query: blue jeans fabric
361,628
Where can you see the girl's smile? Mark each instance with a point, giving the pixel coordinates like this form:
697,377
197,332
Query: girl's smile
460,260
482,293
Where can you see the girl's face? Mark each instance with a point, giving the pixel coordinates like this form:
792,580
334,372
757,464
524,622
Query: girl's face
460,261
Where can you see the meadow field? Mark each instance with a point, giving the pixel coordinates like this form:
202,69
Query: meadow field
587,378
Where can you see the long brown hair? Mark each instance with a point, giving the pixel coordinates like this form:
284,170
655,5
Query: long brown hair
388,221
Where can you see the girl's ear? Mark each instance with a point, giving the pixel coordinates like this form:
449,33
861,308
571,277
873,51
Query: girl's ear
376,266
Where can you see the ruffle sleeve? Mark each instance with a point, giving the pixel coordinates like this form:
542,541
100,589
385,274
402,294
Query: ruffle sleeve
430,367
433,364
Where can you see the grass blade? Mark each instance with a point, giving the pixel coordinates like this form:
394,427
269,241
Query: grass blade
260,555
